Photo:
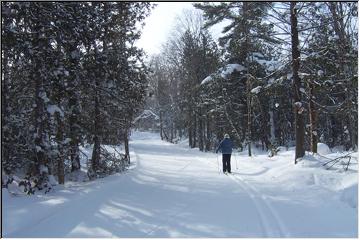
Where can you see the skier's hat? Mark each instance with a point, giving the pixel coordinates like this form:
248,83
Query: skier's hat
226,136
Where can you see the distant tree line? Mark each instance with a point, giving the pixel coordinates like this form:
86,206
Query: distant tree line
282,74
70,75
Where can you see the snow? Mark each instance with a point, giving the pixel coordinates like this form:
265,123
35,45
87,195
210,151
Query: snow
38,149
51,109
43,169
256,90
224,72
207,79
52,180
230,68
323,149
298,104
349,196
174,191
146,114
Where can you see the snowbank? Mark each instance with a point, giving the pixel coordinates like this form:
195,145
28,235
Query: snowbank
350,196
323,149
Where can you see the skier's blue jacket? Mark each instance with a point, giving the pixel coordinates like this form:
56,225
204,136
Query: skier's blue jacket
225,146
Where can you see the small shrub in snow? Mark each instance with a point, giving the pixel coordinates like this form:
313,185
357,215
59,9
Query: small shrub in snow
109,163
342,160
273,150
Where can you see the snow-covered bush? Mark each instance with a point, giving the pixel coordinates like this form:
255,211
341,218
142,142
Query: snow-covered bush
18,186
28,185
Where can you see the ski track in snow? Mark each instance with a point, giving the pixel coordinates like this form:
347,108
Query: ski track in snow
172,191
158,227
265,211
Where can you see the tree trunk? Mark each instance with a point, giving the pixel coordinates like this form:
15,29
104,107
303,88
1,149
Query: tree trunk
39,125
194,130
126,142
248,100
298,108
208,133
5,153
59,138
161,126
312,118
201,133
74,112
40,113
190,132
97,129
272,122
172,132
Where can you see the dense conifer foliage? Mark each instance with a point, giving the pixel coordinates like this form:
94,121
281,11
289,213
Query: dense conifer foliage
70,75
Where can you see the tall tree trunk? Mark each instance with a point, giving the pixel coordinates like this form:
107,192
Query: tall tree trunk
208,133
298,108
248,101
194,130
201,132
60,138
74,130
161,126
39,124
126,143
97,129
171,132
5,153
190,129
190,133
272,122
312,118
40,93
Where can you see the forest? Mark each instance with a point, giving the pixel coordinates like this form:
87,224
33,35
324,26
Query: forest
71,75
281,74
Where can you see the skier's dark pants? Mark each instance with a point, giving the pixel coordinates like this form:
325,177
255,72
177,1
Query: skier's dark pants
226,163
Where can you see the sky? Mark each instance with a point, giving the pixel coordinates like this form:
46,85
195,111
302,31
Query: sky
160,23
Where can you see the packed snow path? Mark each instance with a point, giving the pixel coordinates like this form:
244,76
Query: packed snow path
191,198
174,191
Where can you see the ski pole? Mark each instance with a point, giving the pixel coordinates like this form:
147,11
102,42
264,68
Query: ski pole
217,160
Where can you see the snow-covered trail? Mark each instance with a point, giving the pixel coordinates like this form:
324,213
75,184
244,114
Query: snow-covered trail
198,201
175,191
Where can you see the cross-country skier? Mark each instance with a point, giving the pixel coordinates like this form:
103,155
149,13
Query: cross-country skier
225,147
